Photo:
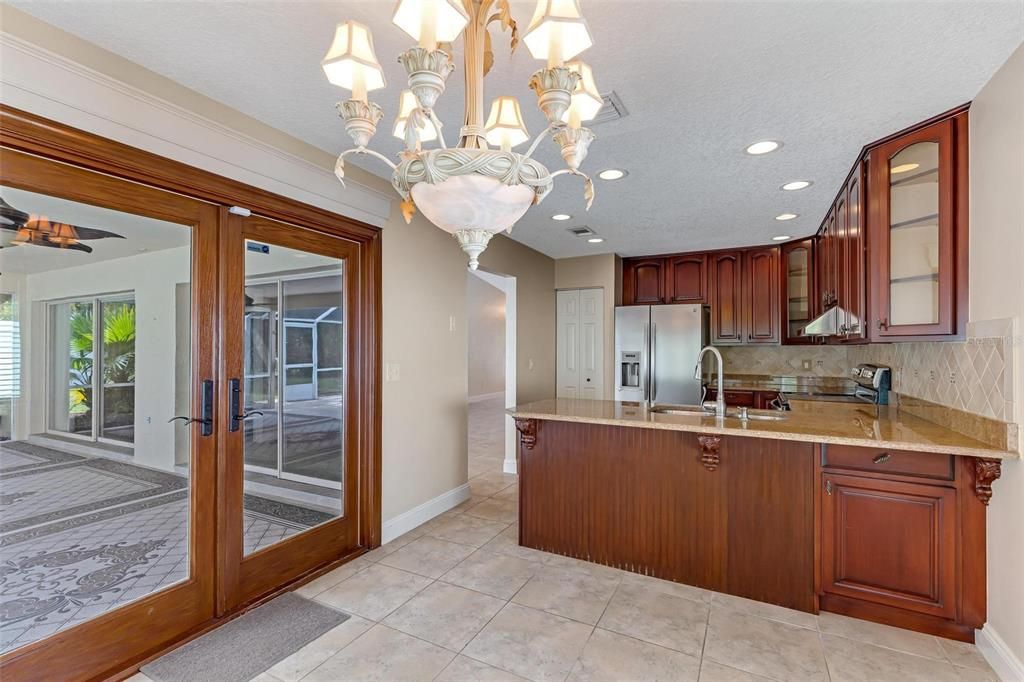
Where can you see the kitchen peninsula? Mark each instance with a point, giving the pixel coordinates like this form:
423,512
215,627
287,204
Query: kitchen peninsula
863,510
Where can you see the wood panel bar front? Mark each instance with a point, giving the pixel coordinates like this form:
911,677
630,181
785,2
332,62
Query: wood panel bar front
730,514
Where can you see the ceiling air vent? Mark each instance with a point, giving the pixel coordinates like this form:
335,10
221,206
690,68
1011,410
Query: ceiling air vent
612,110
581,231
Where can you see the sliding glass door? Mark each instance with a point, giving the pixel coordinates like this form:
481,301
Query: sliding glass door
288,305
91,376
108,466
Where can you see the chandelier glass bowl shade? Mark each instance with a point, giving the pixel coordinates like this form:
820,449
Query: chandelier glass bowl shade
480,186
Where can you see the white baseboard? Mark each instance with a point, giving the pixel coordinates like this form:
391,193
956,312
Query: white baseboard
999,655
417,516
485,396
510,466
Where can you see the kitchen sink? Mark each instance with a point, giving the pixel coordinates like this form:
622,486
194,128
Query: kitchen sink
734,412
759,415
680,409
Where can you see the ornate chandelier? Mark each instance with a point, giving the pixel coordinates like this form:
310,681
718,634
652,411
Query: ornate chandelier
479,187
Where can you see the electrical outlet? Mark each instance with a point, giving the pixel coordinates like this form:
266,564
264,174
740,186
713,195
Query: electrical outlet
530,365
451,323
806,364
391,371
917,374
819,364
952,377
931,375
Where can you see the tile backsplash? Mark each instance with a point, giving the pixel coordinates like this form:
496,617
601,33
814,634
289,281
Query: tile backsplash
975,375
823,361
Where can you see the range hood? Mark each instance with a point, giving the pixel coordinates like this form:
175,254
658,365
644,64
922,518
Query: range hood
826,324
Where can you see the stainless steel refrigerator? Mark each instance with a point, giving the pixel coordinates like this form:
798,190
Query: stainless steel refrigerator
656,350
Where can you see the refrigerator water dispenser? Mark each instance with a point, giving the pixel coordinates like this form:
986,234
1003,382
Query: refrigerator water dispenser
629,368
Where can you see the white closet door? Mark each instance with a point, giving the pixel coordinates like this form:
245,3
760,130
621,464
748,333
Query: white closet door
580,343
591,349
568,344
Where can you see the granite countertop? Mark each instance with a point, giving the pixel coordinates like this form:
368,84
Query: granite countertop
819,422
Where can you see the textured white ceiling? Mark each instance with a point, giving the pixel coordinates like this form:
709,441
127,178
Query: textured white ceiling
701,80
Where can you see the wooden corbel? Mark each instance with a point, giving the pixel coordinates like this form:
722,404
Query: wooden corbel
709,451
527,432
985,472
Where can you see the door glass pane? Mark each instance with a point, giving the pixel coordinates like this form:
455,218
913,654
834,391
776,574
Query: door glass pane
94,498
798,291
118,380
914,235
294,450
71,368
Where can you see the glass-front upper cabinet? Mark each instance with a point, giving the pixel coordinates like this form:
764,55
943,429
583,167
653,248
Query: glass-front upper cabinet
919,192
798,284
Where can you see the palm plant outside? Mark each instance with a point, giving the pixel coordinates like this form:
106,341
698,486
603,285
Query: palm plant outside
118,366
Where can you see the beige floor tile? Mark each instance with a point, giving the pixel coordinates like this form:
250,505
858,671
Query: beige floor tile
507,542
465,669
332,578
466,530
471,502
765,610
262,677
907,641
963,654
375,592
498,575
530,643
716,672
613,657
764,647
390,547
138,677
485,487
588,567
568,593
849,659
384,654
494,509
658,618
972,675
509,493
303,661
445,615
428,556
666,587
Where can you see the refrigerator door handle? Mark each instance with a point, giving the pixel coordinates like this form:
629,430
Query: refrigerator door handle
645,378
654,361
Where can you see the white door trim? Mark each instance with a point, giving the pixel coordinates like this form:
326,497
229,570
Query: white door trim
507,284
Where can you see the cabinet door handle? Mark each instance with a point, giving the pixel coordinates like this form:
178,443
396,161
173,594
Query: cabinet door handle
882,323
828,487
882,458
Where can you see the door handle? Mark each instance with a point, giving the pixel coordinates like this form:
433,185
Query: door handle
206,411
654,362
828,487
236,405
645,379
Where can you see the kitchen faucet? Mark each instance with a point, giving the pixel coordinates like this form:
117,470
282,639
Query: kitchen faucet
720,397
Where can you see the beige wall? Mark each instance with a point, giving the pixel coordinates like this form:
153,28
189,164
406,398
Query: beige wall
535,314
589,272
485,322
997,292
424,412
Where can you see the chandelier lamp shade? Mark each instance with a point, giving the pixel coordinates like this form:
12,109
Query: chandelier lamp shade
480,186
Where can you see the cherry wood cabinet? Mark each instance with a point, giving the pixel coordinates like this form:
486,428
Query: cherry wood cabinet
643,281
853,267
918,232
890,542
726,289
761,296
761,400
686,278
799,289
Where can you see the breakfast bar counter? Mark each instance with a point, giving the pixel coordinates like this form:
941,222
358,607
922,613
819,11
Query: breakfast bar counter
861,510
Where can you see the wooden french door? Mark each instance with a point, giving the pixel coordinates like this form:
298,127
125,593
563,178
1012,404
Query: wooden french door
292,421
109,559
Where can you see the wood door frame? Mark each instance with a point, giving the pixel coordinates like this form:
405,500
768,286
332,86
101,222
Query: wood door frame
38,137
109,642
242,578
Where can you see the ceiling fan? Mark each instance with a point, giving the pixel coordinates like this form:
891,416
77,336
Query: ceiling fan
39,231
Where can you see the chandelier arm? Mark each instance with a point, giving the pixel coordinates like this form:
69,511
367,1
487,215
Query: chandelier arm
588,184
551,129
434,121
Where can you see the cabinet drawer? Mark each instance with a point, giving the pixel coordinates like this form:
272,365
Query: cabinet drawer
902,462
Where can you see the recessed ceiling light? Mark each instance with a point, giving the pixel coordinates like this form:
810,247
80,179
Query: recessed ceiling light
781,237
797,184
903,168
561,216
595,240
786,216
763,147
612,174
